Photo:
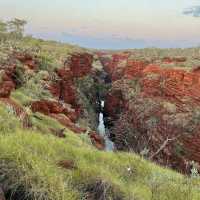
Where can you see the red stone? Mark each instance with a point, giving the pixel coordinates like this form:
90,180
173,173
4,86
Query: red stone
53,107
175,60
97,140
7,84
6,88
47,107
28,60
67,164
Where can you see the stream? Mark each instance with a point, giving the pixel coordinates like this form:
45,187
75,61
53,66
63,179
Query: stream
103,131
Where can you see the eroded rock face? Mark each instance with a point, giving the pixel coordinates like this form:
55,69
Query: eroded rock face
157,113
47,107
66,108
30,61
6,88
53,107
63,113
8,80
174,60
114,64
81,64
65,105
64,89
7,83
97,140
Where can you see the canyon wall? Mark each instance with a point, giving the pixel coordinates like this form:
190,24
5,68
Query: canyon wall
67,94
151,109
154,110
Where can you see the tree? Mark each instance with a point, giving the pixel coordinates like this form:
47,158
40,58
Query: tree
16,27
3,30
3,27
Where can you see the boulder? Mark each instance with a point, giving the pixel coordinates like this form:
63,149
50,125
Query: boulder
6,88
97,140
67,164
27,60
7,84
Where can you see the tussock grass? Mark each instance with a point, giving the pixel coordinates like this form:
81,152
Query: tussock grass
8,121
21,98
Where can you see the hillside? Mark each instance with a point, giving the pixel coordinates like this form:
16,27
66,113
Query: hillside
50,97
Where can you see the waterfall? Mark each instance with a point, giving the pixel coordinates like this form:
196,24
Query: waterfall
109,145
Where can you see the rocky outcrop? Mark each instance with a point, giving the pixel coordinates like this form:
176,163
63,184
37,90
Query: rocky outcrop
174,60
97,140
48,107
67,164
7,83
80,64
8,76
155,111
28,60
66,106
114,64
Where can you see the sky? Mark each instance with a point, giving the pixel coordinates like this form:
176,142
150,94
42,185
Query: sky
110,24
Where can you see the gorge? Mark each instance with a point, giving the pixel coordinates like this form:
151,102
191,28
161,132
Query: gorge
103,131
99,122
136,103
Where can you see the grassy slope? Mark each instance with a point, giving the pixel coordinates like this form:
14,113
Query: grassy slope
28,158
28,162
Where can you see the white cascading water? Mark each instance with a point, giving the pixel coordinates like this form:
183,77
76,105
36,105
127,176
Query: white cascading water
109,145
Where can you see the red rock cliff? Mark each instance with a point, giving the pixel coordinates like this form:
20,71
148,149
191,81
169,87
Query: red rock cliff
157,113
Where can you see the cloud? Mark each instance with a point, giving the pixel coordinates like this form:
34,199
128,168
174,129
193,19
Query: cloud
194,11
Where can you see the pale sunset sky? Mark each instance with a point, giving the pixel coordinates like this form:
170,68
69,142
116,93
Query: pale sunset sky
113,24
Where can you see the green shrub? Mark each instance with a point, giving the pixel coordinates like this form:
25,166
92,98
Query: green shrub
46,62
8,120
35,88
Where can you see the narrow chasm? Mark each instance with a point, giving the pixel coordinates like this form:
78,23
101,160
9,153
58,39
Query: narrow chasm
103,131
102,87
93,90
